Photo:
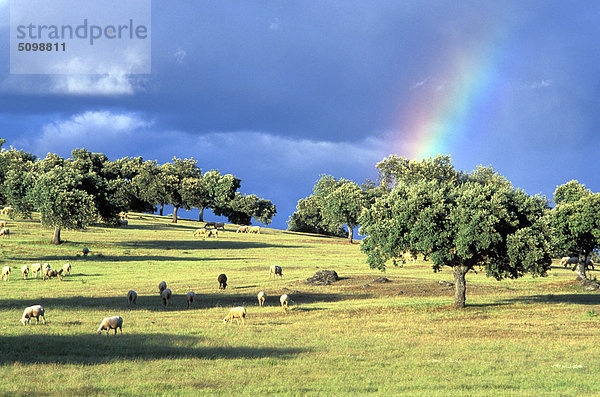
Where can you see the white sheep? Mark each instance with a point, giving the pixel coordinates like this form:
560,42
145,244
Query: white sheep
85,251
211,233
166,296
275,271
239,313
36,269
254,229
261,298
6,273
66,269
199,232
242,229
284,299
5,210
4,232
131,296
30,312
109,323
190,298
162,286
407,256
25,271
50,273
45,266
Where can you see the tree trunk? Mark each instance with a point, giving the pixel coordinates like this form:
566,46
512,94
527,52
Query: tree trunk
56,237
162,206
460,294
350,233
201,216
175,214
580,267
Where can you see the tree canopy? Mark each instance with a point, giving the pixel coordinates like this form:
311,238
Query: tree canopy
576,223
460,221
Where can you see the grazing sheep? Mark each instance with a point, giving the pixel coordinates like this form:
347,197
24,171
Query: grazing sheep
212,233
222,279
31,312
131,296
407,256
25,271
66,269
123,222
123,215
190,298
242,229
239,313
261,298
166,296
4,232
6,273
50,273
2,223
199,232
284,302
5,210
45,268
36,269
109,323
254,229
569,260
210,224
275,271
220,225
162,286
85,251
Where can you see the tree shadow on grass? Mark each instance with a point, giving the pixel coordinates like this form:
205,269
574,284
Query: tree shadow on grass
178,302
114,258
199,244
94,349
576,299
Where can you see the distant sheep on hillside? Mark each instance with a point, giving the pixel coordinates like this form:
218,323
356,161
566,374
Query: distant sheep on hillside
239,313
222,279
109,323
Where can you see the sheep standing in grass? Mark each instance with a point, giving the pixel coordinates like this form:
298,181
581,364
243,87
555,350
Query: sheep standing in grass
25,271
222,279
50,273
2,223
275,271
4,232
66,269
242,229
131,296
162,286
30,312
6,273
85,251
36,269
109,323
198,232
166,296
212,233
239,313
284,302
190,298
569,261
261,298
254,229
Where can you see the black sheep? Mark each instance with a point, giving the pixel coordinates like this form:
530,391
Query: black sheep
222,281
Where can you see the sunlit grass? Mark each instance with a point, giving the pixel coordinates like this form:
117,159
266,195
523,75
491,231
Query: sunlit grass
354,337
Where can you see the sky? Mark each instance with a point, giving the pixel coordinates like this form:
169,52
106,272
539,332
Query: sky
278,93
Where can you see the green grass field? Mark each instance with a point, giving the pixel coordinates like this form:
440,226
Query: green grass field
526,337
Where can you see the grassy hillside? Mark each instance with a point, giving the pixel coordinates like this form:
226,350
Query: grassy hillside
354,337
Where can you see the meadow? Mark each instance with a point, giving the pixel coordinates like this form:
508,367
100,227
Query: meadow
526,337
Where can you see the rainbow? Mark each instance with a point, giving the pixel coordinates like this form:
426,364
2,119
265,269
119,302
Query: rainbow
445,111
